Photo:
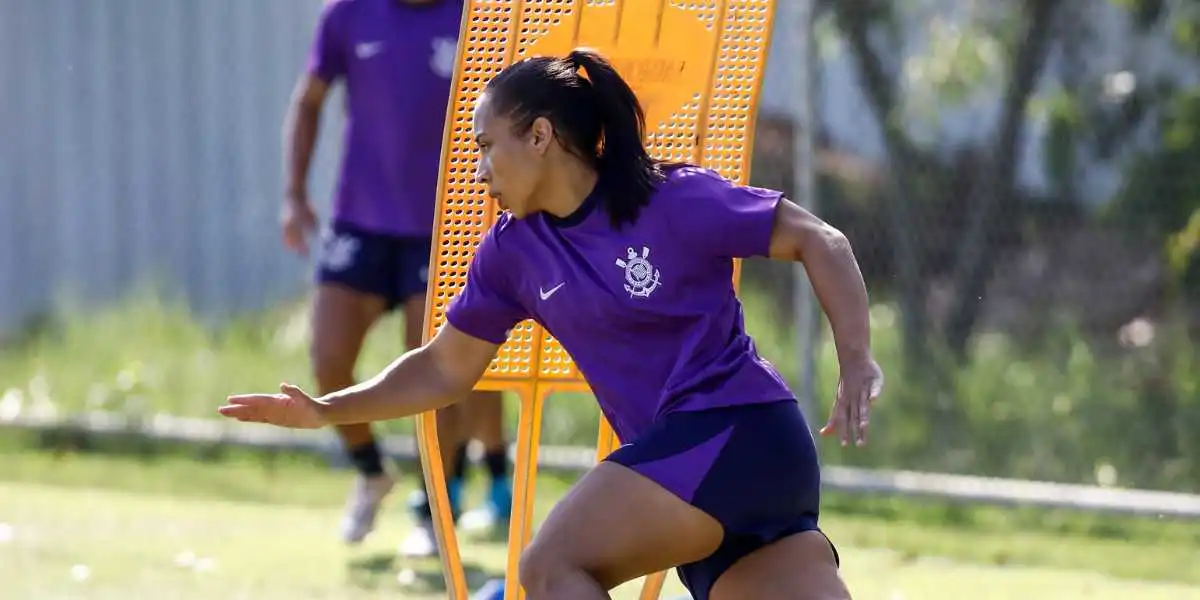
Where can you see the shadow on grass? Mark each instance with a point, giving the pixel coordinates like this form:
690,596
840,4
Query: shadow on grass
417,576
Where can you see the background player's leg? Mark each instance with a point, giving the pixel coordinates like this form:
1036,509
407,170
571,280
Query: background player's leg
340,322
422,541
484,414
799,567
613,526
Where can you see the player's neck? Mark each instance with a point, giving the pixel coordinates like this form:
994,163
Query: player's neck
567,188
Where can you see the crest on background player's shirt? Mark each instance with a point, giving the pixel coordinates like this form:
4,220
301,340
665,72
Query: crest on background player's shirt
641,278
445,51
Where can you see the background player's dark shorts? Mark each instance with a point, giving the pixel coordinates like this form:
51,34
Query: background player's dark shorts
753,468
393,267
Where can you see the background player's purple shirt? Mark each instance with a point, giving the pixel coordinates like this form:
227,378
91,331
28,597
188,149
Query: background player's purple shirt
397,62
648,312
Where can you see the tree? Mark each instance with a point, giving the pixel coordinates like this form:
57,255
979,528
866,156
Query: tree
1014,41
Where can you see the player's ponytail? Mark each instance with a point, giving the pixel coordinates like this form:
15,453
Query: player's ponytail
627,172
595,116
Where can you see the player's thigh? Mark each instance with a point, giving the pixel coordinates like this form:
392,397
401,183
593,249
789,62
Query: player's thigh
352,293
802,566
413,310
341,319
411,284
617,525
451,420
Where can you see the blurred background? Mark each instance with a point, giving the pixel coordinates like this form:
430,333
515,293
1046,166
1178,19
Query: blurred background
1020,180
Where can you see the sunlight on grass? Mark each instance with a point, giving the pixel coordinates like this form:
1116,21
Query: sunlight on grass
103,544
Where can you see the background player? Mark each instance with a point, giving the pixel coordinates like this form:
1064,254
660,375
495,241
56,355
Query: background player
397,58
721,478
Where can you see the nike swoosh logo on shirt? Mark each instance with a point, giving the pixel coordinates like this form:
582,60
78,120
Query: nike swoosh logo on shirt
545,294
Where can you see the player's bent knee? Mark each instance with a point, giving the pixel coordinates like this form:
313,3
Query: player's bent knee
545,569
538,567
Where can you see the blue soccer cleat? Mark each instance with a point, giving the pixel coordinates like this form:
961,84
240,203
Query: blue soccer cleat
422,542
494,515
492,590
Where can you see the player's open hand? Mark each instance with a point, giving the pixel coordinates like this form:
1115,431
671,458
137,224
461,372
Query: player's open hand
860,384
291,408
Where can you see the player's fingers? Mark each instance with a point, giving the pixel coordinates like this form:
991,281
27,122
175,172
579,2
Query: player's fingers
832,423
831,426
837,420
846,425
292,391
295,239
854,415
844,410
828,428
241,412
248,399
864,416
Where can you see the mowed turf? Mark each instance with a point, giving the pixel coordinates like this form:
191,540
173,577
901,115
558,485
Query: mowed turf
85,527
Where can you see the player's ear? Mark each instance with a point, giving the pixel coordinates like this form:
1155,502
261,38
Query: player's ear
541,133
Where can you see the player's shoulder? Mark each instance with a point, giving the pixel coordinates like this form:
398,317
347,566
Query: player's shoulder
685,180
502,232
499,246
505,222
343,9
336,10
339,5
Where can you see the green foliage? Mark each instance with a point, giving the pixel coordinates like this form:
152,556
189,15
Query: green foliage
1162,188
1071,410
960,60
1183,252
1161,194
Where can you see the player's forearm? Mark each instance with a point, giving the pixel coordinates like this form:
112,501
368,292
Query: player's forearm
838,283
412,384
299,141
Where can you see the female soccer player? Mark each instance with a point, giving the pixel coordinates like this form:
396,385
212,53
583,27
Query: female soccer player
629,264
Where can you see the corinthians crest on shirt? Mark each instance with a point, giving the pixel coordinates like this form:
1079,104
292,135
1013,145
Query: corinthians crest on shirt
641,278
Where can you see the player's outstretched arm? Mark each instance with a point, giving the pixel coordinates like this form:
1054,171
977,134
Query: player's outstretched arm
433,376
436,375
798,235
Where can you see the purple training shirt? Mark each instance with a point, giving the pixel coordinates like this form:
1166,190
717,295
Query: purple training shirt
648,312
397,61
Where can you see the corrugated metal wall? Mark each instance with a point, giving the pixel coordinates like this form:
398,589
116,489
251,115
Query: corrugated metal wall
140,139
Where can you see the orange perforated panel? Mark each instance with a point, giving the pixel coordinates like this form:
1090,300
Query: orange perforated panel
696,66
733,95
465,211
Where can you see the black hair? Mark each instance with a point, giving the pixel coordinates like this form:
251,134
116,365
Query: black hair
597,118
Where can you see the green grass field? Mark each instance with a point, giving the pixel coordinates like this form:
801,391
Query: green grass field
99,527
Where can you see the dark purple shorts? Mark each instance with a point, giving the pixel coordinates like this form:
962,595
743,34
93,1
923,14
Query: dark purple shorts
753,468
392,267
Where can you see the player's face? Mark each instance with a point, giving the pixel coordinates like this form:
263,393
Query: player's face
510,162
